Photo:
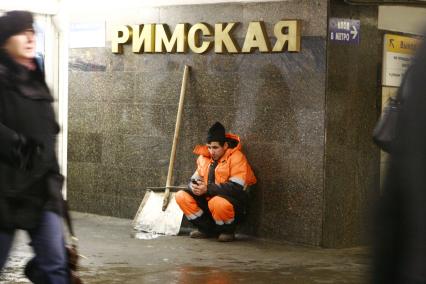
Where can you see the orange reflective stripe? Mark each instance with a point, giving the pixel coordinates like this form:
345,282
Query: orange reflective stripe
222,210
188,205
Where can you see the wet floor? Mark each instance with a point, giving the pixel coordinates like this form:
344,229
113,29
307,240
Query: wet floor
115,257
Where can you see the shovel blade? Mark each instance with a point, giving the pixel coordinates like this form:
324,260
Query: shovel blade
151,218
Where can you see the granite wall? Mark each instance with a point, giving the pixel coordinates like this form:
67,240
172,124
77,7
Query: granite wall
351,159
122,111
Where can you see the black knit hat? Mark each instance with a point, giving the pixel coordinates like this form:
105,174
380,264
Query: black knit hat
216,133
13,23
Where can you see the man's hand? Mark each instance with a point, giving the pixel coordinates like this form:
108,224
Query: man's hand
200,188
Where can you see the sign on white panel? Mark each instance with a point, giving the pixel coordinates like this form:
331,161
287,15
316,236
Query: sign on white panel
396,65
397,57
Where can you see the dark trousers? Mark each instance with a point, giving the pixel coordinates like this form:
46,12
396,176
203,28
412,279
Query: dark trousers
49,266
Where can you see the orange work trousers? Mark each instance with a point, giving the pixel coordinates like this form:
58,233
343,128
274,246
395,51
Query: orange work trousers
210,215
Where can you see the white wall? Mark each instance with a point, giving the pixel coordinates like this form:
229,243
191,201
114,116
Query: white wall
411,20
46,7
98,6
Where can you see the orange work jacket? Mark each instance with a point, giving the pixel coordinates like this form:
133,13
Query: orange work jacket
232,166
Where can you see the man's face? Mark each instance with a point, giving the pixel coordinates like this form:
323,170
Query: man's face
215,150
21,46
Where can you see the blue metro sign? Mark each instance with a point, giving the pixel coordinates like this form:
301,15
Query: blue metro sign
344,30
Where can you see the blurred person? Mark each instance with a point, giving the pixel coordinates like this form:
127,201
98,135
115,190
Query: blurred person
30,182
400,229
216,198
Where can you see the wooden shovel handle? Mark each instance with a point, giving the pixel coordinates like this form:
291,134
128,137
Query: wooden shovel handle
175,138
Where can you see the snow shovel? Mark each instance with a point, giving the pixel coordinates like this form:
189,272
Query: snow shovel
158,212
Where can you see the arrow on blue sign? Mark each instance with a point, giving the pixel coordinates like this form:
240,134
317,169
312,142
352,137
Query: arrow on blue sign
354,32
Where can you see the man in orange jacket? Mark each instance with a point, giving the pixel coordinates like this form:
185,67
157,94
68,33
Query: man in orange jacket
216,197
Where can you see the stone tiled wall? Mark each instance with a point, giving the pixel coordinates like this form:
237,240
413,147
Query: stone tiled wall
122,111
352,160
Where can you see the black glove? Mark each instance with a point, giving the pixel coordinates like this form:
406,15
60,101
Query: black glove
27,149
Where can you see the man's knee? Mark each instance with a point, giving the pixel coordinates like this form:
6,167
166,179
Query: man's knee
222,210
188,204
218,203
183,198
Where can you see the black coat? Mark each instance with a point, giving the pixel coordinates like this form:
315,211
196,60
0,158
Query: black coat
29,179
400,239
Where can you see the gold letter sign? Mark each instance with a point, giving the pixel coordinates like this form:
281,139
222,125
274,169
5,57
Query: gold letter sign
194,39
256,37
143,35
120,36
150,38
291,37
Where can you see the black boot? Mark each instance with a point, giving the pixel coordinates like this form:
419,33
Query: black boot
205,225
34,274
226,232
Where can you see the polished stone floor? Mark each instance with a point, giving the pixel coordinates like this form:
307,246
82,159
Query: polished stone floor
113,256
